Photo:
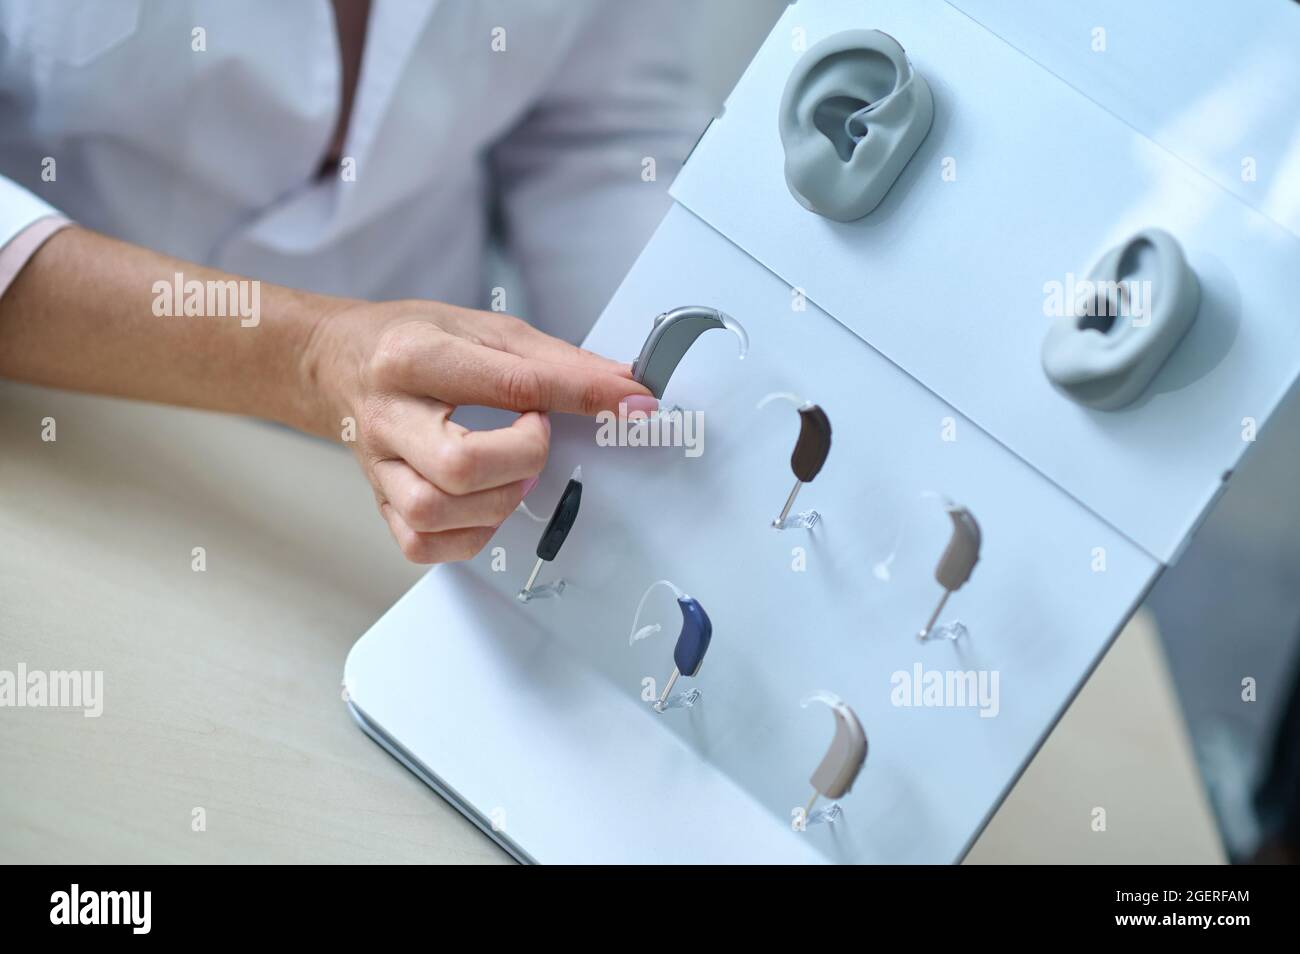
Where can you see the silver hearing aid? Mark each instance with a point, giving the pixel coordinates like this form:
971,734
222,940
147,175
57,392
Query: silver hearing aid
671,337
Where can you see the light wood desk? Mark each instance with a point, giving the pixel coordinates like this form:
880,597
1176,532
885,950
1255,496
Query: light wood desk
222,688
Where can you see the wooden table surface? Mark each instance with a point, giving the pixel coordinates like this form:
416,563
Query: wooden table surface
222,687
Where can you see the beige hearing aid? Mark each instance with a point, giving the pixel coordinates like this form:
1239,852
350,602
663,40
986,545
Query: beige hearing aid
839,767
957,562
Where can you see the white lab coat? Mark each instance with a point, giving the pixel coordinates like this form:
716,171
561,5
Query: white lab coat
109,114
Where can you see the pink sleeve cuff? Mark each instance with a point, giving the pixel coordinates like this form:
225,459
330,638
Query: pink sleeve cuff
20,248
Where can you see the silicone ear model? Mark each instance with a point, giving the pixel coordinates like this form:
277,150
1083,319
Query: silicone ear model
1104,352
962,553
853,112
671,337
843,760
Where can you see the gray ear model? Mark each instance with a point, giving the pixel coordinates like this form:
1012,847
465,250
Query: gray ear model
854,111
1106,349
671,337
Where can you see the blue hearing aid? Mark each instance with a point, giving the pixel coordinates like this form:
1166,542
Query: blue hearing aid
692,644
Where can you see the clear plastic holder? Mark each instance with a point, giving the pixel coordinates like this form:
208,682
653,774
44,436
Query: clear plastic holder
667,700
951,631
641,420
545,591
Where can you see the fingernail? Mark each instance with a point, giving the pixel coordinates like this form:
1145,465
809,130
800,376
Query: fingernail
640,402
546,422
529,484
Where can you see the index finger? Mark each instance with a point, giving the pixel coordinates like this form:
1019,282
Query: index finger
485,376
515,336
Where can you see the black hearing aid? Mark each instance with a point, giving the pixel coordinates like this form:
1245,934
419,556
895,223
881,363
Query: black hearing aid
810,453
557,529
814,444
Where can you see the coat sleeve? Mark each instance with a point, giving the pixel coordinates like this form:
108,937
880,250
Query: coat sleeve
25,223
582,180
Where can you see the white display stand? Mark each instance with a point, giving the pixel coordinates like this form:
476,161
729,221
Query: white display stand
922,325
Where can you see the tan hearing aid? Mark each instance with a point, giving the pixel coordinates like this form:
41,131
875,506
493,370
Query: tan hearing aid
839,767
957,562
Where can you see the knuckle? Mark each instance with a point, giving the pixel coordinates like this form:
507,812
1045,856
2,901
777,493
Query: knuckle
454,467
535,452
372,418
469,544
394,351
514,325
388,361
415,547
521,386
504,502
590,397
423,506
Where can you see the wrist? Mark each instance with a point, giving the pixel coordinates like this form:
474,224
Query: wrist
326,379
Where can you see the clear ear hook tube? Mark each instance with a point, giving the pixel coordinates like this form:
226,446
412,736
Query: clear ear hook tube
645,631
881,569
855,124
523,508
788,396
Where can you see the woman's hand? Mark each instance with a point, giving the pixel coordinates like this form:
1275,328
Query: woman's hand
81,314
399,369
